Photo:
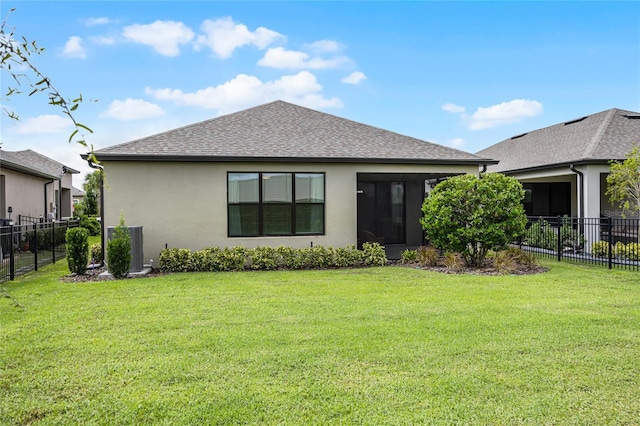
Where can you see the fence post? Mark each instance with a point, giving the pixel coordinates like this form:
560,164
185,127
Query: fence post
53,242
559,244
12,260
35,246
609,241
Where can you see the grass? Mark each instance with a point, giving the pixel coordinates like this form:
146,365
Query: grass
386,345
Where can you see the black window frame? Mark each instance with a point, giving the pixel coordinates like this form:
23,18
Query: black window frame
260,205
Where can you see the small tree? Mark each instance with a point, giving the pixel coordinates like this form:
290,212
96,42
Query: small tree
623,183
77,250
472,215
119,250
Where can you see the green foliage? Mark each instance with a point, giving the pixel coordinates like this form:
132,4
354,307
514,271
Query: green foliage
570,237
232,259
623,182
179,260
619,250
46,237
600,248
269,258
409,256
119,250
542,235
471,215
633,251
345,257
373,254
265,258
95,252
77,250
90,203
92,187
91,224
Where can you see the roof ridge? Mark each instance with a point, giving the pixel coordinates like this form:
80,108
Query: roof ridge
597,136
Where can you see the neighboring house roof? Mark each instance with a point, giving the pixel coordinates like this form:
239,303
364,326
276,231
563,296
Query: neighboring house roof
282,131
33,163
75,192
597,138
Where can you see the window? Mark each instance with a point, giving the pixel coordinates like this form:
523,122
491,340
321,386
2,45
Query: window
274,204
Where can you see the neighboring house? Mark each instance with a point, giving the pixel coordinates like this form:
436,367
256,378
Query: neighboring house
564,167
77,195
32,184
277,174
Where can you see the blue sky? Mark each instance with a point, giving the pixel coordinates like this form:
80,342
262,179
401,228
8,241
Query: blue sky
461,74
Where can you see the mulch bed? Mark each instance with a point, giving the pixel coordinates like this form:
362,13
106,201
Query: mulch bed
93,274
487,269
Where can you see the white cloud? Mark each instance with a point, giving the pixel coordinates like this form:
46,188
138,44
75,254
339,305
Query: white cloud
355,77
453,108
165,37
281,58
74,48
244,91
223,36
456,143
325,46
43,124
102,40
98,21
503,113
132,109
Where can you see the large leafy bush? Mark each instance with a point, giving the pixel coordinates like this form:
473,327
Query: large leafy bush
472,215
119,251
77,250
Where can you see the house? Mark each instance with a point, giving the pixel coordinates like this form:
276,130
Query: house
563,167
77,195
276,174
34,185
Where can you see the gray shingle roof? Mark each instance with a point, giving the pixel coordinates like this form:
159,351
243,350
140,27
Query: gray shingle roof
597,138
283,131
31,162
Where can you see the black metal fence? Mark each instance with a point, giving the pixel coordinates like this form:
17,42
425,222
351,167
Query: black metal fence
603,241
26,247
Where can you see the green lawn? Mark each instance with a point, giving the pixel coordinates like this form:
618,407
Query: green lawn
376,346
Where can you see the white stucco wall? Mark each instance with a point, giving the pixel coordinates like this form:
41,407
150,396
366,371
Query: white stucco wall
184,205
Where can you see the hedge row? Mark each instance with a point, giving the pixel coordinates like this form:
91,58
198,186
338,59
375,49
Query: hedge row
215,259
619,250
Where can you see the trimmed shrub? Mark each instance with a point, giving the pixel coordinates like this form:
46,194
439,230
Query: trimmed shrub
77,250
91,224
95,252
409,256
266,258
175,260
471,215
600,248
119,251
345,257
232,259
620,250
373,254
633,251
